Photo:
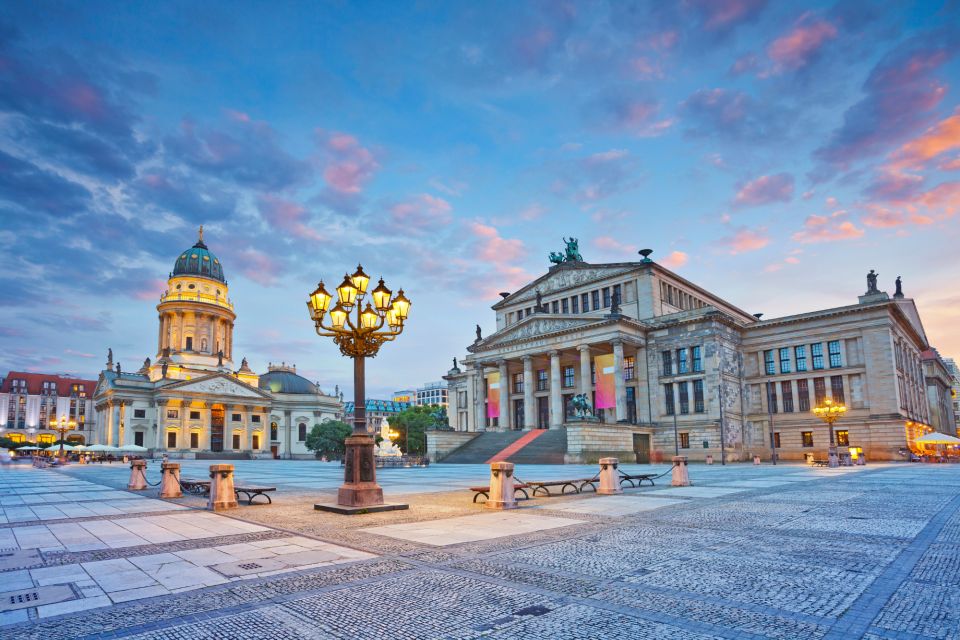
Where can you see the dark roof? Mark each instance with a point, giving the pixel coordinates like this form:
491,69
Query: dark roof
35,383
286,382
199,261
384,406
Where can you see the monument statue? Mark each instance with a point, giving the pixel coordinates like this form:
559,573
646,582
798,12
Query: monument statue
454,362
479,334
899,292
109,358
387,447
872,282
439,418
118,368
220,358
615,304
163,370
573,250
556,258
539,306
581,405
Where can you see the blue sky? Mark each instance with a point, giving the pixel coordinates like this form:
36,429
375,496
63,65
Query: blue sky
772,152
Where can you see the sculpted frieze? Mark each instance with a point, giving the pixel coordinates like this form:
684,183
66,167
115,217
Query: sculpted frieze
567,278
219,386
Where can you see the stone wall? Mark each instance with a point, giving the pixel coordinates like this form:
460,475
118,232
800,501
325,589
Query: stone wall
587,442
440,443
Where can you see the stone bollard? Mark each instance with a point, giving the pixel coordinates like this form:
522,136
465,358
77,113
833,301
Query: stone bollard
609,482
222,495
756,459
680,477
709,458
170,480
138,476
501,486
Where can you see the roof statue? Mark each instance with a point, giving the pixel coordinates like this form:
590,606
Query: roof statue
539,308
200,235
118,368
479,334
109,358
899,292
571,252
872,282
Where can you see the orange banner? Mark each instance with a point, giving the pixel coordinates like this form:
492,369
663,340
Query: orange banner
493,395
606,392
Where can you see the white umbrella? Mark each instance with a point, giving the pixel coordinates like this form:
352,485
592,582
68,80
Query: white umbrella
132,447
29,449
56,447
101,448
938,438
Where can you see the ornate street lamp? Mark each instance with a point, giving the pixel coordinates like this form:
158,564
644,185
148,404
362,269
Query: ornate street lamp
64,426
830,413
379,320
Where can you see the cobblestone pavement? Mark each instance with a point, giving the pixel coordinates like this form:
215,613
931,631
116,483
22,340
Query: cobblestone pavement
747,552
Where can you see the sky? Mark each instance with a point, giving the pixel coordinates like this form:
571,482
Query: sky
771,152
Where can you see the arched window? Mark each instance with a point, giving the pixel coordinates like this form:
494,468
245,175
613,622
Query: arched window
302,432
273,431
203,345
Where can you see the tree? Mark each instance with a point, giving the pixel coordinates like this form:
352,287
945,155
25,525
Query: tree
411,423
327,438
7,443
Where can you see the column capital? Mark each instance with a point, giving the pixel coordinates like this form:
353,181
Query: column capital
583,347
527,359
501,362
553,353
617,342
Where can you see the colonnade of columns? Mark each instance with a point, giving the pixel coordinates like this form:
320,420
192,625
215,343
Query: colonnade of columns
213,328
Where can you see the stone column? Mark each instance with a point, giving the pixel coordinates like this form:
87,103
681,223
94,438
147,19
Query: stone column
183,438
180,341
609,482
501,486
556,399
160,334
529,409
170,480
470,402
161,416
619,384
138,476
504,396
287,426
115,426
222,495
479,406
586,386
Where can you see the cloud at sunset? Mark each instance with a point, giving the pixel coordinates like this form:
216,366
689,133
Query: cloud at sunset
802,42
765,190
832,228
744,240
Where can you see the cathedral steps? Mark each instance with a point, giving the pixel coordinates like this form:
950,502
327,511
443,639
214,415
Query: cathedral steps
537,446
515,446
483,447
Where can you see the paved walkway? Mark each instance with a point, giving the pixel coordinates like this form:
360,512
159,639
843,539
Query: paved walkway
748,552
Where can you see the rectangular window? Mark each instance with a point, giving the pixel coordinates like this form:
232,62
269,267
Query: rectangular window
786,393
139,413
803,396
542,380
606,297
843,438
771,397
776,439
575,304
595,298
784,360
836,389
555,306
684,440
171,440
194,440
697,360
629,367
807,438
138,438
668,395
834,348
173,414
684,398
302,432
194,415
800,354
819,391
256,441
698,396
617,295
683,365
585,302
565,305
518,383
768,365
235,417
568,377
593,373
816,350
667,363
255,418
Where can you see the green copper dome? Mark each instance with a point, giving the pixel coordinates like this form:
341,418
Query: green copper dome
199,261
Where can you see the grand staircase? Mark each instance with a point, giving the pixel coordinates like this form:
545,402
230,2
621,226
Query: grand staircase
519,447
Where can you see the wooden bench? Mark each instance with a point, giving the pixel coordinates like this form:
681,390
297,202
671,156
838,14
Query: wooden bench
576,485
639,477
485,491
198,487
253,492
820,463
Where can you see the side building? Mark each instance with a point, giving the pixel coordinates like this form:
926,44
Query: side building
684,371
190,401
31,404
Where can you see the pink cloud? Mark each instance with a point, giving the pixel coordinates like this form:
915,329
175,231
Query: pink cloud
743,240
420,212
613,246
533,211
796,48
950,165
941,138
350,166
764,190
493,248
675,260
258,266
827,229
287,216
724,14
78,354
152,291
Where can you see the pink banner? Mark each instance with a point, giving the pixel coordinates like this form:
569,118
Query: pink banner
605,391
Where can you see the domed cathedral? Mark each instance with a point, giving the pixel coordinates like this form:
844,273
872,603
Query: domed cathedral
190,402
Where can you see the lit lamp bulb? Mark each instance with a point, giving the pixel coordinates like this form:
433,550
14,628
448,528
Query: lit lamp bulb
392,320
369,318
401,305
319,301
347,292
381,297
338,317
360,280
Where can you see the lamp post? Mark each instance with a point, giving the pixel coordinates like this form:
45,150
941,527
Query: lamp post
360,337
830,413
64,426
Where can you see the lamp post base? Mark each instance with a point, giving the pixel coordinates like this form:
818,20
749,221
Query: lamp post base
359,492
833,460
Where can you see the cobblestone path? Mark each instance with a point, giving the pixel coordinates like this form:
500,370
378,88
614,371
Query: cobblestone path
748,552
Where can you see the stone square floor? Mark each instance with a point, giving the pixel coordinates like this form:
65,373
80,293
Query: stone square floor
749,551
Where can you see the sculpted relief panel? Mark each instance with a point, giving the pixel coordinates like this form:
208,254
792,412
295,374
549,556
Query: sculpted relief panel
566,278
219,386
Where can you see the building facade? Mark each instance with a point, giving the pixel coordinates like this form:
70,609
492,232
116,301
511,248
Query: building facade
939,381
190,401
954,370
433,393
30,404
377,412
689,372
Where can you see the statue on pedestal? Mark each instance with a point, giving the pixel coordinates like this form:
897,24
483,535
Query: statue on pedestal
387,447
899,292
581,405
872,282
479,334
109,358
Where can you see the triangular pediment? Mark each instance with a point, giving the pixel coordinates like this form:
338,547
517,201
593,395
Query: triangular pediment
909,309
566,276
218,384
533,327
